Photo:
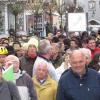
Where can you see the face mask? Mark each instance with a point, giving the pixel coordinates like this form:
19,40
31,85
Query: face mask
32,55
32,52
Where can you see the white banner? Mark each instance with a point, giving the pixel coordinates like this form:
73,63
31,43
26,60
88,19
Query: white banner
77,22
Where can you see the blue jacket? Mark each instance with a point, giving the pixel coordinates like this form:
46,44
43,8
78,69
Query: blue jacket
72,87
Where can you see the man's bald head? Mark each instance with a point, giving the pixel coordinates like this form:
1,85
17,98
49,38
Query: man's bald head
12,60
75,53
77,61
42,70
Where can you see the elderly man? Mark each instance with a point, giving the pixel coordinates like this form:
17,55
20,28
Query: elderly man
79,82
22,79
45,86
8,90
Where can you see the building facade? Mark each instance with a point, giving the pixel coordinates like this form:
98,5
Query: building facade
92,7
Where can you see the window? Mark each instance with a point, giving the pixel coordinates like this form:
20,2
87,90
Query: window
91,4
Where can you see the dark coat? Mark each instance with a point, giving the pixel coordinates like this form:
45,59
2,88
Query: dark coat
72,87
8,91
26,64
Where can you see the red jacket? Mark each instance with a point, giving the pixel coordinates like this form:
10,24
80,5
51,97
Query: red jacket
93,52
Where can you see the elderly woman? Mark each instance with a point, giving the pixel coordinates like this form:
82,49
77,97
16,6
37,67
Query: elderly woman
27,60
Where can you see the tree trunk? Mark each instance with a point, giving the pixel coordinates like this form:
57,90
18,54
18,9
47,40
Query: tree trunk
61,23
15,23
50,17
15,27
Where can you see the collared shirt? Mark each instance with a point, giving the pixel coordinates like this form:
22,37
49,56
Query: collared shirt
41,81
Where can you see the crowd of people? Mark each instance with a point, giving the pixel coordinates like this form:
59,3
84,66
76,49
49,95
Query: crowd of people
53,68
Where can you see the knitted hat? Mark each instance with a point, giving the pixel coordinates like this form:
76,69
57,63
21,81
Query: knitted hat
34,42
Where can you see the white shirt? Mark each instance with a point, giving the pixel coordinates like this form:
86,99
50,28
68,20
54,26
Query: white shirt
61,69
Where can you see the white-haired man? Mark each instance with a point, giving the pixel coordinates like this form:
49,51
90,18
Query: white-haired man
45,86
21,78
79,82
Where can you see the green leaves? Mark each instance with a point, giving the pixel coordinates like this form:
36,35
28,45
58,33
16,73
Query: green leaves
15,8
